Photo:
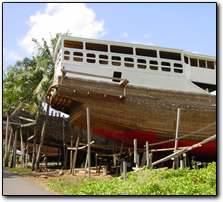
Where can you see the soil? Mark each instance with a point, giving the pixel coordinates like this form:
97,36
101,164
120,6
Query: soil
44,178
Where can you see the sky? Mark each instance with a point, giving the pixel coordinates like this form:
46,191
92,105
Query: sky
187,26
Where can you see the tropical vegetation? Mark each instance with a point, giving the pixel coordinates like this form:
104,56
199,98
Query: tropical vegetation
25,85
145,182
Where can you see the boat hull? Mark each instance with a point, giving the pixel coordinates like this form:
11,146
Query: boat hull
208,149
134,112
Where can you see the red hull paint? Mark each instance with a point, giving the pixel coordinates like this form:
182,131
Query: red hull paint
208,149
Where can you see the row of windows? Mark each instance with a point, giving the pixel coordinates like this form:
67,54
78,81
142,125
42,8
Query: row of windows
138,51
122,50
199,63
128,61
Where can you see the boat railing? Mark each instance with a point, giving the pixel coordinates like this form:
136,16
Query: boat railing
102,59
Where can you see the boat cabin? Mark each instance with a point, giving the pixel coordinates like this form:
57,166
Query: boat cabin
142,65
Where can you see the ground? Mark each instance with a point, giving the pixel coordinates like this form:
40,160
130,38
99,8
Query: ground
44,178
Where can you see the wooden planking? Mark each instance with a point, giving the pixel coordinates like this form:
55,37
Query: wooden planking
125,113
141,109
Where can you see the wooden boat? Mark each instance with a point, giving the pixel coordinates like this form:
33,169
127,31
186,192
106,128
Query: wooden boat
134,91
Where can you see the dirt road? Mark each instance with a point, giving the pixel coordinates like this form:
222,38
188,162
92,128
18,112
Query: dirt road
13,184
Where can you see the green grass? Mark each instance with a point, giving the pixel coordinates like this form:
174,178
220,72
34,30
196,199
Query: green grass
17,169
155,182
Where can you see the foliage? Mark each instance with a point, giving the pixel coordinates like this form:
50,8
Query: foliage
146,182
18,169
27,82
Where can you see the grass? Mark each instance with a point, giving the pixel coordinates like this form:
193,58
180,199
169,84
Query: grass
17,169
155,182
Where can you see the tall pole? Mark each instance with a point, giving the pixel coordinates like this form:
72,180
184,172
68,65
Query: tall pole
147,153
89,140
14,148
176,159
6,142
135,151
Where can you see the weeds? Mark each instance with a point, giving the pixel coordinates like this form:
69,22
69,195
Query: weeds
145,182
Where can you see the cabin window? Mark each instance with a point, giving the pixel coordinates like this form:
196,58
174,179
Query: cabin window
73,44
90,57
178,65
121,49
103,59
165,63
178,71
170,55
129,62
202,63
153,62
66,55
117,75
115,60
186,59
146,52
210,64
165,69
141,63
78,56
97,47
153,67
193,62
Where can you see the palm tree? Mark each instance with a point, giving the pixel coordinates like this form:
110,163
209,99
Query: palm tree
27,82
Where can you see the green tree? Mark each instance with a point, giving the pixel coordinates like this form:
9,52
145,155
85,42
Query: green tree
26,83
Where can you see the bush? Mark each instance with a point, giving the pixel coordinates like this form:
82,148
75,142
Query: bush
146,182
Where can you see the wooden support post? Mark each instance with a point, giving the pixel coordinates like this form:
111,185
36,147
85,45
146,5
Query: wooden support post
15,148
27,150
176,159
64,149
75,155
185,159
71,145
147,153
86,163
6,142
9,146
205,164
89,140
182,162
96,162
150,161
34,143
135,151
125,170
22,147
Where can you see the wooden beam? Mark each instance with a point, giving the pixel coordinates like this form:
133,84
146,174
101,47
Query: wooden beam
26,119
30,138
79,148
27,124
90,75
176,159
147,153
89,139
15,148
75,155
124,82
178,153
22,147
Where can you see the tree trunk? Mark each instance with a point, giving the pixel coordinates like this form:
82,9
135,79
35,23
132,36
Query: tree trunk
6,142
6,160
34,143
42,139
